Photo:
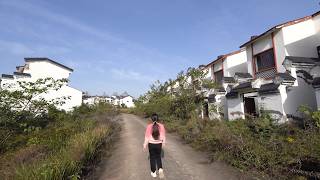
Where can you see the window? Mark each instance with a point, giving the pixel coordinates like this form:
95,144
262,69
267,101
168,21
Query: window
264,60
218,76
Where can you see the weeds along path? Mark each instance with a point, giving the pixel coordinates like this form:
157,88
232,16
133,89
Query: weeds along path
181,162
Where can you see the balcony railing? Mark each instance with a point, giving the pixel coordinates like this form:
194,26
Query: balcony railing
266,73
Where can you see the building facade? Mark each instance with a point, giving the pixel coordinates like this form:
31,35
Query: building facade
223,71
284,65
41,68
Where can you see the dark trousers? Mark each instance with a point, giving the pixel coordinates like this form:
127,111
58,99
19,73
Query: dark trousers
155,156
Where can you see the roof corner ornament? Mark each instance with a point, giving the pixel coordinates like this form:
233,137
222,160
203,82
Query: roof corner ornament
277,80
287,64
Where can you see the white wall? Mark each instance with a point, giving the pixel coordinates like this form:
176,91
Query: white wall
262,44
272,105
300,39
74,94
89,101
235,108
249,60
280,51
208,71
43,69
217,66
303,94
235,63
316,21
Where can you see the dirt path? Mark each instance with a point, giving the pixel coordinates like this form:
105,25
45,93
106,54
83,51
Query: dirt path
181,162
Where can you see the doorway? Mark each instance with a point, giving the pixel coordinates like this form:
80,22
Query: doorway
250,106
206,109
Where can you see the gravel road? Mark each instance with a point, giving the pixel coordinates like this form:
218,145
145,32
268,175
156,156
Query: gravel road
181,162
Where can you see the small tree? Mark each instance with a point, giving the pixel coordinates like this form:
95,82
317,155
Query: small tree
23,102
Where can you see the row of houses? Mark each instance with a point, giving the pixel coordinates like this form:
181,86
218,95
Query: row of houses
124,100
275,72
42,68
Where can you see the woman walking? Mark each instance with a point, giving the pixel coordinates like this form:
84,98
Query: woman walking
155,139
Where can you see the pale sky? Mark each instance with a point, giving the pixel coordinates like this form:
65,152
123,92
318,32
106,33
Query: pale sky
125,45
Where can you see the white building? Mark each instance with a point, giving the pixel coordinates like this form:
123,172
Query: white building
283,63
92,100
40,68
123,100
128,101
89,100
223,71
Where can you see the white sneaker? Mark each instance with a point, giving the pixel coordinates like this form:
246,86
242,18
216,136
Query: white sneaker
161,174
154,174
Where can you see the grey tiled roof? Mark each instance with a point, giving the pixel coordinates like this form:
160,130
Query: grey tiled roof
22,74
232,94
243,75
229,79
268,88
221,89
285,76
242,86
7,76
304,60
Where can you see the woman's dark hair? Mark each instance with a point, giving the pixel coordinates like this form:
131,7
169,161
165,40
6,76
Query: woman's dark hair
155,126
154,117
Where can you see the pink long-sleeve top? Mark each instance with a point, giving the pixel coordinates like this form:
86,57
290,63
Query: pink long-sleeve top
148,135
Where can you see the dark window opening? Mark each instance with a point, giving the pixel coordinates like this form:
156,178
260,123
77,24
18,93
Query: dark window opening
265,60
218,76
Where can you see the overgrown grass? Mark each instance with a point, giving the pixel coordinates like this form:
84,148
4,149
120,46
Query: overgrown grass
61,149
69,160
277,152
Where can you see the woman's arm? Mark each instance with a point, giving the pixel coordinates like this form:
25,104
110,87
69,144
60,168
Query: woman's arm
163,132
146,137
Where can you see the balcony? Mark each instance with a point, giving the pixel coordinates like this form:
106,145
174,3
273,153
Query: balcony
266,73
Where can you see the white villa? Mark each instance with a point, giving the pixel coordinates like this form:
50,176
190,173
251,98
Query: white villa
40,68
123,100
224,70
275,72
